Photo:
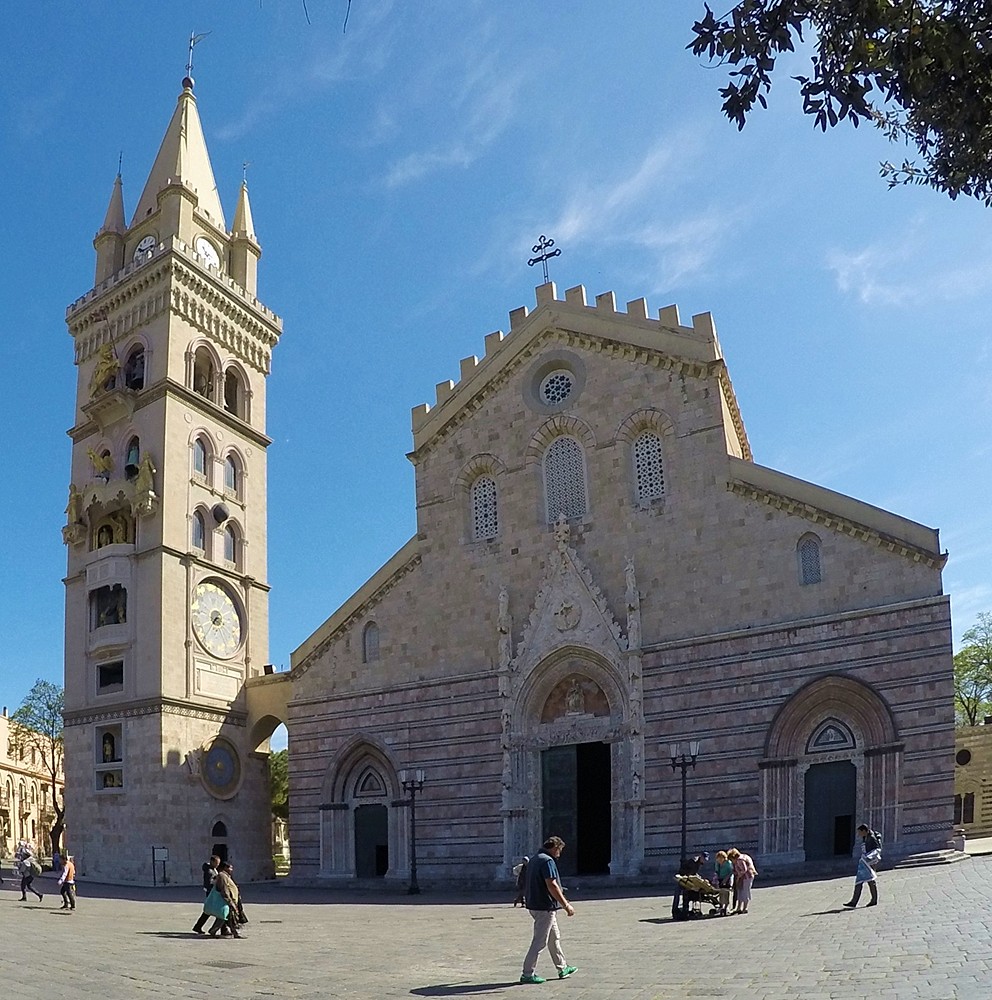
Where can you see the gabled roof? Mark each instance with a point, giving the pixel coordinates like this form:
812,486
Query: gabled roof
183,158
664,342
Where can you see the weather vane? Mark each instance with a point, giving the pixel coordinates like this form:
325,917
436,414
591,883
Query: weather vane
194,40
544,253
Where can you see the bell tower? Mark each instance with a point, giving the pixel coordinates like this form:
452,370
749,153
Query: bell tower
166,594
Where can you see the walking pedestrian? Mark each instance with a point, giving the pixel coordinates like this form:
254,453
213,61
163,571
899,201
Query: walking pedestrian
871,854
545,897
67,883
209,869
744,872
521,872
27,868
228,889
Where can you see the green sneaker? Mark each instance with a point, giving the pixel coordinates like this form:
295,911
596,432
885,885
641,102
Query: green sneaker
567,971
532,978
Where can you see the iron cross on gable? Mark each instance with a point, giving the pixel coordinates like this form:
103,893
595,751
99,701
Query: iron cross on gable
544,253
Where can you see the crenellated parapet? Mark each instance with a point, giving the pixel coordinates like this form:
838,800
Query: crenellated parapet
664,342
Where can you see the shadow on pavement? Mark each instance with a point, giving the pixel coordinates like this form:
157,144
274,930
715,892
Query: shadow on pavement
459,989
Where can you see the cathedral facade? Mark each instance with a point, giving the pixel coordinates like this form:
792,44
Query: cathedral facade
601,578
166,599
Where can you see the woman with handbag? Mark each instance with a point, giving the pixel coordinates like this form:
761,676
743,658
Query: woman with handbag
226,914
871,854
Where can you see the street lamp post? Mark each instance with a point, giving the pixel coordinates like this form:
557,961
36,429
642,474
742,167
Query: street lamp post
683,761
412,783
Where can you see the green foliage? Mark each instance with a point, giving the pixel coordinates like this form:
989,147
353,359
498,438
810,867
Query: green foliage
279,783
921,70
973,673
37,725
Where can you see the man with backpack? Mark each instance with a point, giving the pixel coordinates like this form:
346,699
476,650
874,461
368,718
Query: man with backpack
871,855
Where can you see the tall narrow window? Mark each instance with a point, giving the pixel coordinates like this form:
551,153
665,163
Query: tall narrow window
199,531
230,544
231,476
649,475
809,560
485,514
968,812
564,479
233,395
370,643
203,373
134,369
199,458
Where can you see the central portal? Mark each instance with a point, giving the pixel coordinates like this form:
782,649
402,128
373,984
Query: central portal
575,794
371,841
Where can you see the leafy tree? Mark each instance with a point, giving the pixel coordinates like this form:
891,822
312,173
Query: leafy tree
973,672
921,70
37,725
279,783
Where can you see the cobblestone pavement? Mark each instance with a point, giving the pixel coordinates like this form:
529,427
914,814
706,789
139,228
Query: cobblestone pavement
929,939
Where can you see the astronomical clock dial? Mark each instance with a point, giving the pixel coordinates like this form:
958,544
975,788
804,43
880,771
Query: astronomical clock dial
221,769
216,620
207,251
144,249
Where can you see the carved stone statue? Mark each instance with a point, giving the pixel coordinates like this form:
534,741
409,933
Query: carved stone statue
633,597
504,626
104,375
575,702
121,524
74,512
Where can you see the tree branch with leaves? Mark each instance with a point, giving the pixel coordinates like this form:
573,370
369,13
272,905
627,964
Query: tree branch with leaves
973,673
37,725
920,70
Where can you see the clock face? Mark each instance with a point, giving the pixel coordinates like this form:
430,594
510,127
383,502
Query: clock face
144,249
221,768
207,251
216,620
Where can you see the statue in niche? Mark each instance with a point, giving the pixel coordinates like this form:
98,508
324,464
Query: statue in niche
504,626
104,376
121,525
634,631
74,512
575,700
109,747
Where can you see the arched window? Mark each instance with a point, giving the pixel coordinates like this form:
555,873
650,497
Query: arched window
232,475
964,808
200,458
203,373
809,560
134,369
230,544
564,479
234,394
199,538
219,829
649,475
132,459
485,512
370,643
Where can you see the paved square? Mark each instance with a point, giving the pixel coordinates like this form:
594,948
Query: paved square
928,939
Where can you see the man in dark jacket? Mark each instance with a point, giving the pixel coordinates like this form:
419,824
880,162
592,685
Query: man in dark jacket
209,874
544,897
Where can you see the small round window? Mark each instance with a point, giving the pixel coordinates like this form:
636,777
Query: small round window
557,387
963,757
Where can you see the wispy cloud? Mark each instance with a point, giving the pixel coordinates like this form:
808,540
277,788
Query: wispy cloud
898,271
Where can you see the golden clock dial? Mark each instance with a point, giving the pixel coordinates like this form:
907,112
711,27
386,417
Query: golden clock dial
216,619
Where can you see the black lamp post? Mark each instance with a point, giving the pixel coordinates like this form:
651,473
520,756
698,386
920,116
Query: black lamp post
683,761
412,783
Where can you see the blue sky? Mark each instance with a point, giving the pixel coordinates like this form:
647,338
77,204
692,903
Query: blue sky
400,173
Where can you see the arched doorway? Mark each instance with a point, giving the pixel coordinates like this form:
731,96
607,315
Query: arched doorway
832,761
218,834
572,767
363,816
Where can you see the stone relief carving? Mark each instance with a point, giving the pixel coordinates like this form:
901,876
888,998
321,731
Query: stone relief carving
567,616
633,606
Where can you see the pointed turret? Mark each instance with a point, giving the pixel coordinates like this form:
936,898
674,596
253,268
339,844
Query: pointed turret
109,241
182,160
245,250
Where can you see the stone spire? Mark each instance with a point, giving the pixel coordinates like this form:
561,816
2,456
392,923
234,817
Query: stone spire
109,241
243,224
183,159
